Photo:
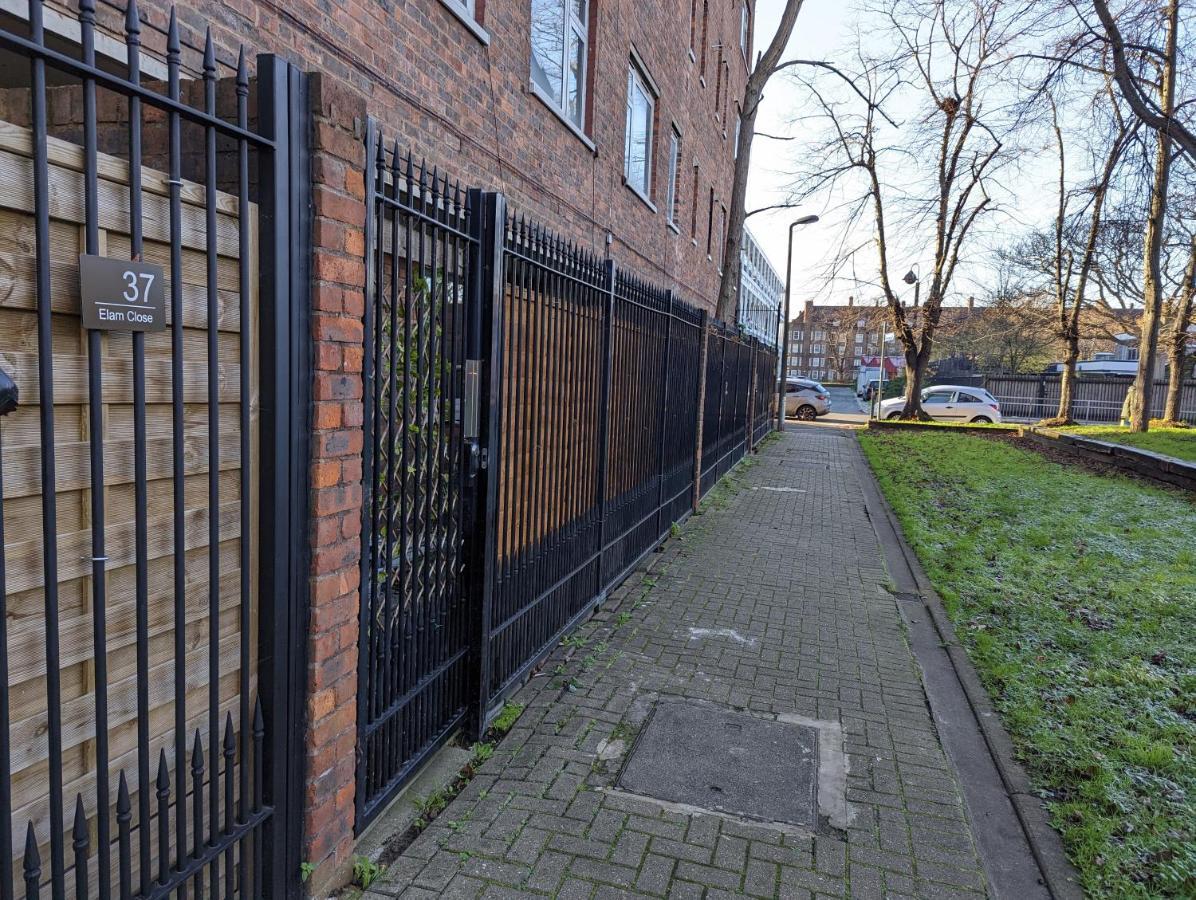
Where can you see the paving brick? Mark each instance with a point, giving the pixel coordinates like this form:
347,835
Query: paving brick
794,574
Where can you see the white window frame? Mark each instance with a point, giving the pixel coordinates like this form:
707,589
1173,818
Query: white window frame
638,79
744,20
572,25
467,12
672,207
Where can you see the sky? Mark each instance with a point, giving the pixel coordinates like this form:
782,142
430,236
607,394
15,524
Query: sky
821,26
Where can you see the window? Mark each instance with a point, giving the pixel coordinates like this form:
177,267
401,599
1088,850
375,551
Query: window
816,348
641,109
468,7
705,32
745,19
693,26
722,236
673,200
859,339
693,211
726,93
710,224
738,130
559,52
718,84
967,398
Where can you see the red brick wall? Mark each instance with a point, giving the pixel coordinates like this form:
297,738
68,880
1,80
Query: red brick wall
337,290
468,107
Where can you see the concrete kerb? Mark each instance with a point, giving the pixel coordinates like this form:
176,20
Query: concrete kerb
996,787
1144,463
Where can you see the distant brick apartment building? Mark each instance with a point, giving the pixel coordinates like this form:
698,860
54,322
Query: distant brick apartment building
829,343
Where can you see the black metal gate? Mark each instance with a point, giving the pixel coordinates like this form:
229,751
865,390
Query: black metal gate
413,684
153,563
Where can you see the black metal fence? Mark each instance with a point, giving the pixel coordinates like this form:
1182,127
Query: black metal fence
563,396
596,435
155,510
1097,400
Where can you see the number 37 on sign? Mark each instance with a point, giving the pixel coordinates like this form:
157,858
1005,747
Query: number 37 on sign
120,295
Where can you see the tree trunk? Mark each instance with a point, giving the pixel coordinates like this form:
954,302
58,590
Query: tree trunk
1148,337
1177,338
728,289
1177,359
915,371
1067,385
1148,340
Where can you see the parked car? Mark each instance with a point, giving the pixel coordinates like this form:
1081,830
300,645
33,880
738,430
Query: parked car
805,399
950,403
865,393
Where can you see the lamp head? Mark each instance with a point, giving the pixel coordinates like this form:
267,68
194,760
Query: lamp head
910,277
806,220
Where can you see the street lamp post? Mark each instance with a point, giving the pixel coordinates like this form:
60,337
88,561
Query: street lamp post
783,356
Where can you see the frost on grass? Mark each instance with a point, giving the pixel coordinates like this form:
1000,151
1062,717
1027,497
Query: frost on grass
1075,596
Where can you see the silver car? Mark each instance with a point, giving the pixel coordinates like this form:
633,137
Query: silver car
805,399
951,403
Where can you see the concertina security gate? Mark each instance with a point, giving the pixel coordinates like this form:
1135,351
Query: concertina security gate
153,504
531,433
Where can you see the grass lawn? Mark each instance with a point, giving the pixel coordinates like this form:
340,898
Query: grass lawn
1075,596
1177,442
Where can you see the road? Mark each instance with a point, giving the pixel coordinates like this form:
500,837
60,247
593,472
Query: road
846,411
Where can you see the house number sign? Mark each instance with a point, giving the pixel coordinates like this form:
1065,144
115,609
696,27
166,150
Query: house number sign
120,295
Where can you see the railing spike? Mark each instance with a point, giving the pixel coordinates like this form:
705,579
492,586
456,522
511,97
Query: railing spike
79,833
174,47
242,72
132,23
197,755
209,55
32,863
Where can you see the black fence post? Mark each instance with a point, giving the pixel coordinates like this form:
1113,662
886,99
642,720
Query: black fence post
286,391
482,427
608,324
700,412
664,411
369,574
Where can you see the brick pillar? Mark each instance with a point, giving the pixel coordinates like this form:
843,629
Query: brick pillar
338,303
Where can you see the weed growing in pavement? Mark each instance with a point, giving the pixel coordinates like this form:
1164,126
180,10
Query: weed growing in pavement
365,871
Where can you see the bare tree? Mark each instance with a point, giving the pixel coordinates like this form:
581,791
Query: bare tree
933,176
1070,281
767,65
1140,90
1148,341
1177,338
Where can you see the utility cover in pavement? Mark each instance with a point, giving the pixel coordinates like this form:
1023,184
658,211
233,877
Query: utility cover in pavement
728,762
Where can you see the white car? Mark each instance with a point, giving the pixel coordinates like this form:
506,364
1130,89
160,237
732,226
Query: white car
951,403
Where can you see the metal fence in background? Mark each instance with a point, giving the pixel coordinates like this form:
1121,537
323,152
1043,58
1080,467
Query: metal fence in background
1097,400
596,430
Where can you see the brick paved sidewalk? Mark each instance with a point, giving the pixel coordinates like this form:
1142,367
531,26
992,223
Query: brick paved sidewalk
772,601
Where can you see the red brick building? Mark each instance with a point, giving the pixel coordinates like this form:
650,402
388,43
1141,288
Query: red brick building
480,88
